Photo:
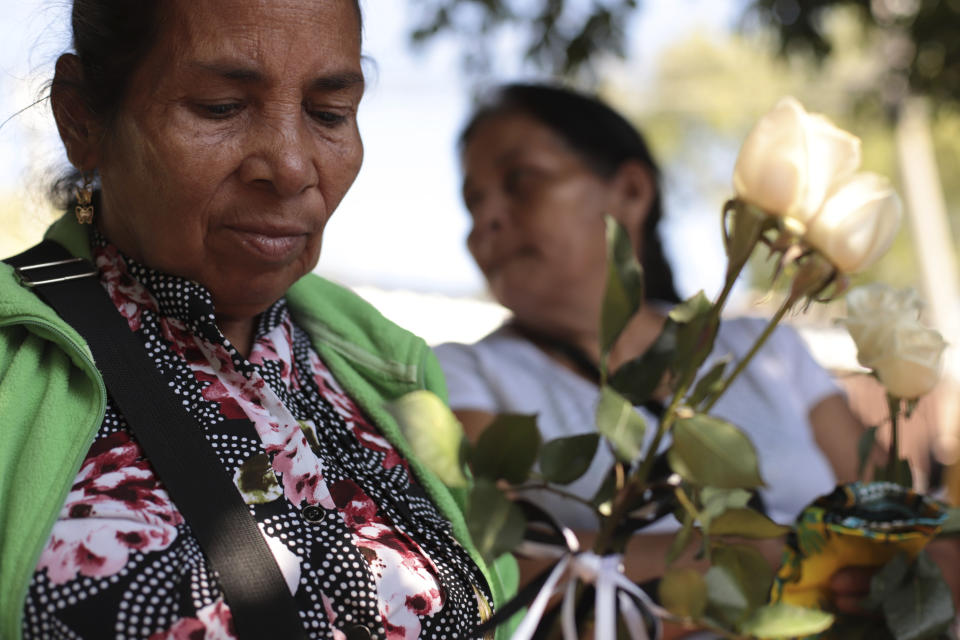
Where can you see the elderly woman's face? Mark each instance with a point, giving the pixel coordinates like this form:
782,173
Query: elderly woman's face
236,142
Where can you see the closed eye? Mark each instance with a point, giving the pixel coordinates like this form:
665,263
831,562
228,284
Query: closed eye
219,110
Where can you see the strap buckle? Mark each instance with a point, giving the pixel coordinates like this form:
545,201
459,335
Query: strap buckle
29,281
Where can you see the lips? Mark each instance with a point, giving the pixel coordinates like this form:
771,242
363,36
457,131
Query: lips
272,243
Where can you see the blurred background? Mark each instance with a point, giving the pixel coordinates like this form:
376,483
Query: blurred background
694,75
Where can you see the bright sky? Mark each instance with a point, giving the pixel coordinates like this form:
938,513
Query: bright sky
402,224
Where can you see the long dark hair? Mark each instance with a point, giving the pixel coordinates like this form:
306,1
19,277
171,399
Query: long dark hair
111,38
603,139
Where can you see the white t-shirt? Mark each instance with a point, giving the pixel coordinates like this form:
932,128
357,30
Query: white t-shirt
770,401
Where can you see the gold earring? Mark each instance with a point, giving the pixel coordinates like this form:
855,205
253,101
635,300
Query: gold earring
84,208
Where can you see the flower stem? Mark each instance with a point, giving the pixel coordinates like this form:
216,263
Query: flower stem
893,457
767,332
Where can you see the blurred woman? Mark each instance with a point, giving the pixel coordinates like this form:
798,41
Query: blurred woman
213,139
541,166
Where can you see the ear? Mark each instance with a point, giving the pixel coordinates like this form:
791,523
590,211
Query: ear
632,192
79,130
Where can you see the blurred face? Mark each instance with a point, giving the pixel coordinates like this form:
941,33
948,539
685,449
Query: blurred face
237,141
538,231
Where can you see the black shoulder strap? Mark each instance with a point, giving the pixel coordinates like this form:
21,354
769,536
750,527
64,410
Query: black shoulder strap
253,585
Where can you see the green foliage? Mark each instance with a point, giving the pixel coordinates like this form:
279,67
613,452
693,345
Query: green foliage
565,459
638,379
434,434
782,620
683,592
931,64
496,524
711,452
696,330
558,37
709,384
624,290
620,424
913,598
746,523
507,448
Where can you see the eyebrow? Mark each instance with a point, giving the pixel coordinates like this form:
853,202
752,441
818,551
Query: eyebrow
332,82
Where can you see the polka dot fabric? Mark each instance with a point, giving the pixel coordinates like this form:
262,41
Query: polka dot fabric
363,550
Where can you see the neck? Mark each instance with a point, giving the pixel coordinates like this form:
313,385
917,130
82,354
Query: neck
635,339
239,331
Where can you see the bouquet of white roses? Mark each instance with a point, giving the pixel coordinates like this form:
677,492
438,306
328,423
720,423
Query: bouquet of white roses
798,194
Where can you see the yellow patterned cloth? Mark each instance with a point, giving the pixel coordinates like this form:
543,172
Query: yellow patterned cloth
858,525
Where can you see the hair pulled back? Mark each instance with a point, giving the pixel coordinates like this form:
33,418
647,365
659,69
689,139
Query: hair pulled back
603,139
111,39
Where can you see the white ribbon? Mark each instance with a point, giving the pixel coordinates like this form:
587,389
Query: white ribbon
612,586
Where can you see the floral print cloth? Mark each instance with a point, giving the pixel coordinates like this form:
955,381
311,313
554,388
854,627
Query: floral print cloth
363,550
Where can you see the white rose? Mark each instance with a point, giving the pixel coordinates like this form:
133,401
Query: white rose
791,160
857,223
885,325
909,367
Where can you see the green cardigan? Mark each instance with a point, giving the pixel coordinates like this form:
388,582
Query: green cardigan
52,402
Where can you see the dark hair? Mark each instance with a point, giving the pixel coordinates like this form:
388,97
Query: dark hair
111,38
603,139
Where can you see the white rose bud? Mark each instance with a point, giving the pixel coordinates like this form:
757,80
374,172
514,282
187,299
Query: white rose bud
857,223
791,160
884,323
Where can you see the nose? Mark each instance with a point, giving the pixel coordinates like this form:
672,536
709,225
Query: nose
488,212
282,157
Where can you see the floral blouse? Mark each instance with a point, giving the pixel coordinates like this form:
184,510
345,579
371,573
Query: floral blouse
364,551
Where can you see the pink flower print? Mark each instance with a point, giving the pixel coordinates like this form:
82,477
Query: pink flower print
354,505
216,391
115,482
406,579
98,547
302,473
277,346
371,439
213,622
128,295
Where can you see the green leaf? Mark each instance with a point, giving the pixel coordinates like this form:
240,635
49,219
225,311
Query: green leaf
434,434
725,598
746,523
620,424
683,592
716,501
709,384
864,448
695,333
624,290
748,569
711,452
257,481
782,620
507,448
607,489
682,540
919,606
565,459
638,379
496,524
